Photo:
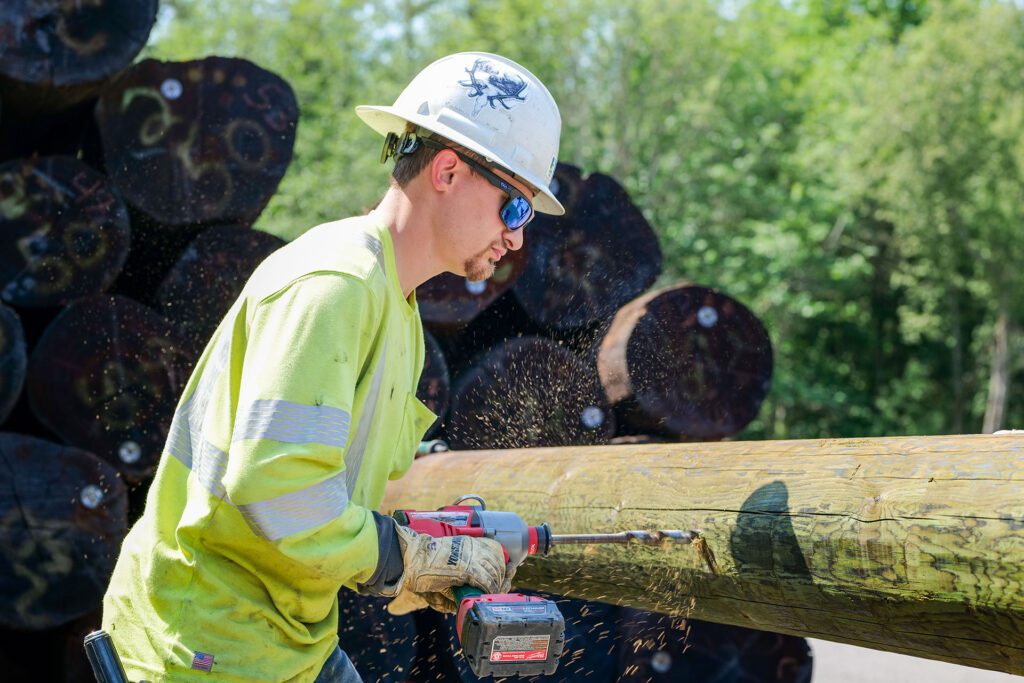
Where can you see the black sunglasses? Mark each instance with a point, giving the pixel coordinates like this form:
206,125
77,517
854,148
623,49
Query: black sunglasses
515,213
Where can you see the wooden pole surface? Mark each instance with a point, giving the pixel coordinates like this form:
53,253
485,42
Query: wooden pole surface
910,544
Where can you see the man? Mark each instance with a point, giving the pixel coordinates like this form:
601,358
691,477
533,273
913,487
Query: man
303,405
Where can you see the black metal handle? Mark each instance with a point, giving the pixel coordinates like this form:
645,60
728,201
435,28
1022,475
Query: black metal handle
106,665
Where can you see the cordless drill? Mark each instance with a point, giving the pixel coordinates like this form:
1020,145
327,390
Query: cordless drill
511,634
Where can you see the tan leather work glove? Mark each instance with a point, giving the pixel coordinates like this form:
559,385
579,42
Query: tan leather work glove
434,567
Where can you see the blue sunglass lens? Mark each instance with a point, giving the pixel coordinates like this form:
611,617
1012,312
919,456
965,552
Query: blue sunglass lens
516,212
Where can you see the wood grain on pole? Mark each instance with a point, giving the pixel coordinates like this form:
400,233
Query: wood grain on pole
66,232
204,141
909,544
688,361
62,520
528,392
106,376
586,264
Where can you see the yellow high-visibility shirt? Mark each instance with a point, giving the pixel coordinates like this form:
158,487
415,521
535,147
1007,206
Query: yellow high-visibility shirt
300,409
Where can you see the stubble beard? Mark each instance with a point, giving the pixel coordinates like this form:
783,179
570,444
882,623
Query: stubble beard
480,267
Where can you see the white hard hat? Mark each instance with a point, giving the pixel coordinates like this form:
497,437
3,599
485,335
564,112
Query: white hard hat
487,104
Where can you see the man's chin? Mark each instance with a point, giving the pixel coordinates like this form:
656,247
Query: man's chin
478,272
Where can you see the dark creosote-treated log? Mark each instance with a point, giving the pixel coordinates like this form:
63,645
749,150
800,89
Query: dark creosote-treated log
586,264
106,376
66,232
687,361
62,519
528,392
13,360
54,54
208,277
204,141
450,301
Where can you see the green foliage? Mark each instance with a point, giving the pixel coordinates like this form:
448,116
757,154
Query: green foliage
852,170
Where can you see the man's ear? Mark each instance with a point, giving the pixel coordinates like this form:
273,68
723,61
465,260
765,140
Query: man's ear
442,169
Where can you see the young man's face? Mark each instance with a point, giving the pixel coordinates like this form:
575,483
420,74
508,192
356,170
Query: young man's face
490,236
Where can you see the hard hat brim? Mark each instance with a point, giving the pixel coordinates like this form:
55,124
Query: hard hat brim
385,120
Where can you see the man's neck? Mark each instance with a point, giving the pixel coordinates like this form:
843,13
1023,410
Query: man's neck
413,239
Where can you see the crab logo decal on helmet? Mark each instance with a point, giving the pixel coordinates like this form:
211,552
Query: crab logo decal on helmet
493,87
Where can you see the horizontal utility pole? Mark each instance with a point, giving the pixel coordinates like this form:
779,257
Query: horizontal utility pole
912,544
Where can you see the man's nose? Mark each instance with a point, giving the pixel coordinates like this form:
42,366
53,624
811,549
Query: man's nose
513,239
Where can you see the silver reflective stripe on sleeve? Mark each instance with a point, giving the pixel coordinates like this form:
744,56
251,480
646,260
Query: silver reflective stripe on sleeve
210,466
293,423
185,435
297,511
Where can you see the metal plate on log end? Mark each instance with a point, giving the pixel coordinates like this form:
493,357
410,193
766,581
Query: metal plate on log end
202,141
106,376
56,552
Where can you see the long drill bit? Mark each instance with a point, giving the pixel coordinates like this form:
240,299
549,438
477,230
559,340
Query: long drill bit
625,537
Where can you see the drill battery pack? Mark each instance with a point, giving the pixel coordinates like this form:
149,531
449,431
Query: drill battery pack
510,634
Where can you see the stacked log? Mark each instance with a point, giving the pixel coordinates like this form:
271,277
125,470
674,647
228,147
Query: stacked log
66,232
528,392
106,375
127,193
687,361
192,144
13,360
207,278
54,60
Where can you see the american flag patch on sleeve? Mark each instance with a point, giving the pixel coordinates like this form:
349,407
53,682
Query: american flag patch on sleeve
202,661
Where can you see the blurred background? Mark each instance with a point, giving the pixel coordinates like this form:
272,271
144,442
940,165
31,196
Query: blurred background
853,170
